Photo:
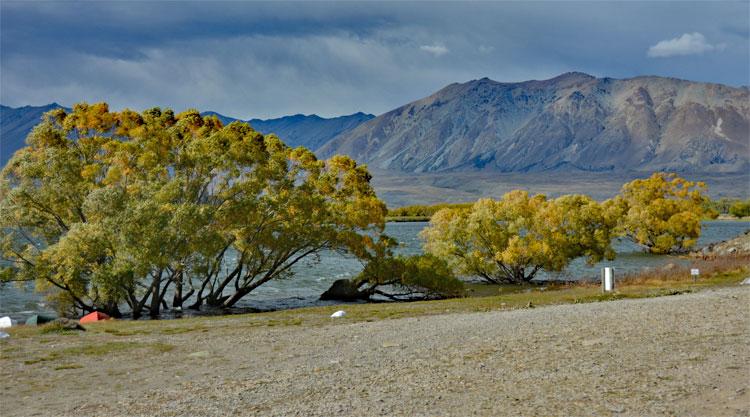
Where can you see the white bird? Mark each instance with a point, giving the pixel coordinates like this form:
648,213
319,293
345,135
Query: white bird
340,313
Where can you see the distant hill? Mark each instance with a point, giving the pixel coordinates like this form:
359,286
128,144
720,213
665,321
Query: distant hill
572,122
298,130
15,125
309,131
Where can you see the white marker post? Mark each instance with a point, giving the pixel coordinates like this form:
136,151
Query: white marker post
695,272
608,279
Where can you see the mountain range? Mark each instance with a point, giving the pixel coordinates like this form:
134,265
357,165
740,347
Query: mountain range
300,130
571,122
574,123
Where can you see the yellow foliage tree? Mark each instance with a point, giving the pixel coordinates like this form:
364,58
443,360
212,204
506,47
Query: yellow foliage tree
662,213
112,208
510,240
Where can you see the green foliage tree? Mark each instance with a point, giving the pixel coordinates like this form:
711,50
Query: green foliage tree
109,208
662,213
510,240
740,209
396,277
408,277
714,208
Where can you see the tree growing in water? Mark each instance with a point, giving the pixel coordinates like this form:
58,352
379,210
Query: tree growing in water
510,240
662,213
108,208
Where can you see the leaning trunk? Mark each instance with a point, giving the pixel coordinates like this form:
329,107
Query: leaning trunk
237,296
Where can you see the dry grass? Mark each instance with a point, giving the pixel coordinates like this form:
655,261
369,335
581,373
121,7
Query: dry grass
56,327
708,267
98,348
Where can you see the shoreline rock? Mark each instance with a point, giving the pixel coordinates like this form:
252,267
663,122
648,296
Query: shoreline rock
739,245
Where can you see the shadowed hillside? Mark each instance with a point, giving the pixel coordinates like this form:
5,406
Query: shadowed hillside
299,130
15,125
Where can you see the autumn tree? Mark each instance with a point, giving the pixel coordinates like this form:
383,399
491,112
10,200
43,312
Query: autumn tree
510,240
662,213
104,209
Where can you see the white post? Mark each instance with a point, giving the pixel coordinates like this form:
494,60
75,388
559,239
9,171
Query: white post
608,279
695,272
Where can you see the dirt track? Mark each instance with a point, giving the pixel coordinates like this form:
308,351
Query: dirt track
679,355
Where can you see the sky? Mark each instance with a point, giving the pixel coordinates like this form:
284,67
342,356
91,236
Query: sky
250,59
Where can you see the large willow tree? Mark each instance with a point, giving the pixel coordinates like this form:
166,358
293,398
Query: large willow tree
510,240
104,209
663,213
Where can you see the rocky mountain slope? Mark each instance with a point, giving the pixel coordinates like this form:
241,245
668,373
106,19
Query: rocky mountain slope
15,125
573,121
298,130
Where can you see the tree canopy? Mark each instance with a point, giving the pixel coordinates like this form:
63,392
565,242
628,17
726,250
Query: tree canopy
104,208
511,239
740,209
662,213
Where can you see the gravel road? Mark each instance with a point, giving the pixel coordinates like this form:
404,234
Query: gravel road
685,355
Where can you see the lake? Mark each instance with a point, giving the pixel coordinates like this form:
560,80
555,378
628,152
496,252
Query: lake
313,278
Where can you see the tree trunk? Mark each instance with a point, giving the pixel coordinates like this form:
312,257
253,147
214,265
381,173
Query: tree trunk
215,300
112,310
177,299
109,308
229,301
155,301
197,304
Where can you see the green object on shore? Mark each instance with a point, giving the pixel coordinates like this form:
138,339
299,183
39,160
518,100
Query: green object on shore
38,319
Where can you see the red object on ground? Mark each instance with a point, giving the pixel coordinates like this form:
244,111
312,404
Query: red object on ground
92,317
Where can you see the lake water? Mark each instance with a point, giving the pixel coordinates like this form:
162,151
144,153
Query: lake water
313,278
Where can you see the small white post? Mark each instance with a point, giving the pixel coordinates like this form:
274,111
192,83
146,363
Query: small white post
608,279
695,272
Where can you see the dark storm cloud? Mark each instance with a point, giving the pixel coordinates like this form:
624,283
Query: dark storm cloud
262,59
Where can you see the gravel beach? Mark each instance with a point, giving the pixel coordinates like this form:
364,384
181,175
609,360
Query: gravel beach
686,355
